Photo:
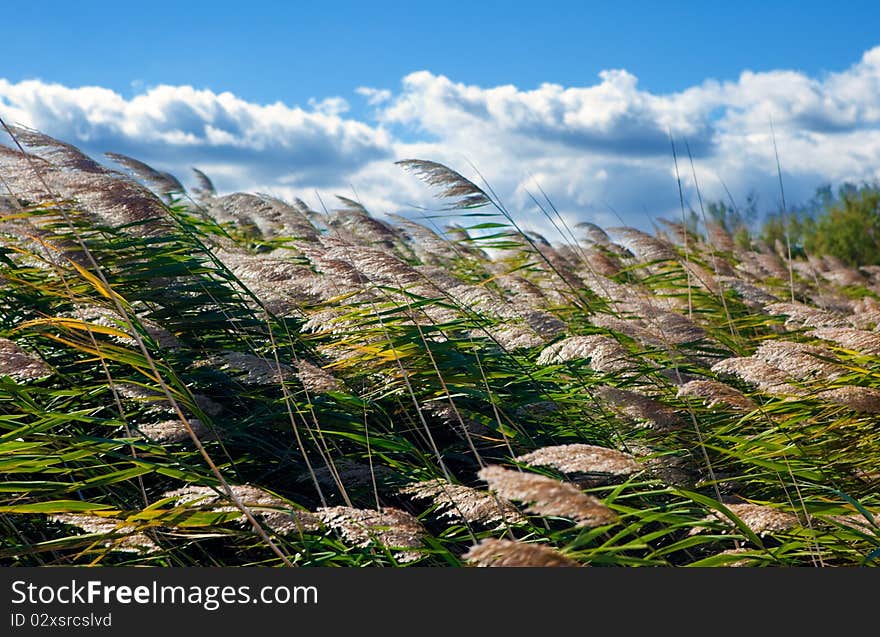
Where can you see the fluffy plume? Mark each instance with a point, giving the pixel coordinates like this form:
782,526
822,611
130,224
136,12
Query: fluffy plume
752,295
17,363
164,183
629,327
865,313
670,468
263,215
430,248
715,393
606,355
250,369
769,379
646,248
459,502
670,327
56,152
800,361
98,315
582,458
465,193
316,379
169,431
271,510
762,265
639,407
491,552
521,289
117,200
120,536
544,323
863,399
760,519
719,237
157,402
649,324
546,496
360,228
861,341
375,265
600,262
392,528
481,300
858,522
511,337
800,315
205,187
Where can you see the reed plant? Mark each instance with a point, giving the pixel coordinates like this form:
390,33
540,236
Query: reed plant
190,378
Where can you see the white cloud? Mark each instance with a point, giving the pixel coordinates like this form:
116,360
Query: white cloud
374,96
330,106
179,126
601,151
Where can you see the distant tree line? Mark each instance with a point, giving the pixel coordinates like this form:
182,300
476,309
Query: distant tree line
844,223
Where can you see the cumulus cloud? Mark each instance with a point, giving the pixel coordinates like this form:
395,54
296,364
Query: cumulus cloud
602,152
179,126
605,149
374,96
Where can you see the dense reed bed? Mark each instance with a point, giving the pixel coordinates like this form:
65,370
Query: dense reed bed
188,378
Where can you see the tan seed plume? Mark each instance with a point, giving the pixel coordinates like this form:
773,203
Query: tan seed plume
800,315
460,502
389,527
861,341
715,393
760,519
646,247
800,361
464,192
606,354
639,407
316,379
250,369
862,399
277,514
546,496
582,458
17,363
508,553
126,538
169,431
769,379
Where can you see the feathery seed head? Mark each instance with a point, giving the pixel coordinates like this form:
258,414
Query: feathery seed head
582,458
169,431
277,514
546,496
862,399
861,341
760,519
459,502
715,393
464,192
389,527
639,407
768,378
491,552
121,536
20,365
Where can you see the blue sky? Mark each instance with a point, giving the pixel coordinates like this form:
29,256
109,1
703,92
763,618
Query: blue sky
577,95
292,51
